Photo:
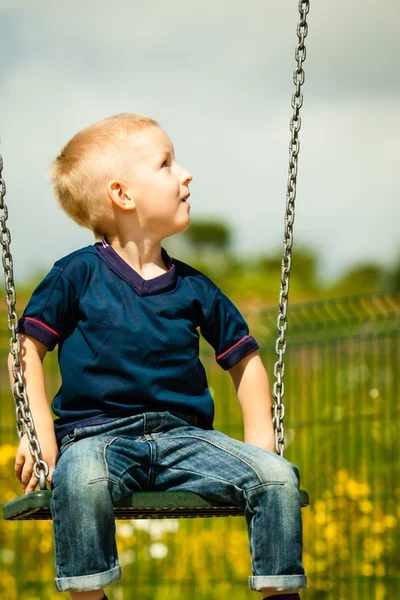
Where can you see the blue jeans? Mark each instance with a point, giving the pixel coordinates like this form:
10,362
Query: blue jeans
162,451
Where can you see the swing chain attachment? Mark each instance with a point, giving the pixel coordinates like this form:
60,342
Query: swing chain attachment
294,148
25,422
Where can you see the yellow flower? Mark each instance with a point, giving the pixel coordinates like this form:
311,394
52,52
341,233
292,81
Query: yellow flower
320,566
353,489
319,506
364,522
340,503
339,489
389,521
320,518
380,592
320,547
307,561
367,570
46,544
378,527
366,506
7,453
373,548
364,489
330,531
342,476
9,583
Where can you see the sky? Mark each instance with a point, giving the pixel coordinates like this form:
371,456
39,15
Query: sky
217,75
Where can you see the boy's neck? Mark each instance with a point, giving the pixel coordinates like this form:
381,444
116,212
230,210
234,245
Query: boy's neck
145,258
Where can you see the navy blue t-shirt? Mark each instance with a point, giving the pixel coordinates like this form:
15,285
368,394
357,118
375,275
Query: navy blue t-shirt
128,345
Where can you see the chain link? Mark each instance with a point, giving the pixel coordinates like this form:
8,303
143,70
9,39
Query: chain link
294,148
24,418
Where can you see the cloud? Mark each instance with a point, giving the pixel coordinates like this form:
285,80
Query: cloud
218,76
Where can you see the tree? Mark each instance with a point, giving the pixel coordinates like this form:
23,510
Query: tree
209,235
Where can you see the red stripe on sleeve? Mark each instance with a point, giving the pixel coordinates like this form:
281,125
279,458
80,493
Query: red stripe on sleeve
42,324
234,346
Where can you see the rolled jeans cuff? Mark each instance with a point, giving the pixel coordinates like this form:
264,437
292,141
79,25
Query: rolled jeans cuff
280,583
87,583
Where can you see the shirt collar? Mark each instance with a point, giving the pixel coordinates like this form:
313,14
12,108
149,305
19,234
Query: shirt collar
143,287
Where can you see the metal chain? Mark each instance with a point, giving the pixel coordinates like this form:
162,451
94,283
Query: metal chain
25,422
294,148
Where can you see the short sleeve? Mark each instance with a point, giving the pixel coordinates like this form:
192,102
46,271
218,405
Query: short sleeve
227,332
51,311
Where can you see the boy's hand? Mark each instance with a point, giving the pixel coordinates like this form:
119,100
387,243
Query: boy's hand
24,462
262,441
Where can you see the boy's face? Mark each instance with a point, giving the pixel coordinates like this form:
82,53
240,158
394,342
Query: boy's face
157,184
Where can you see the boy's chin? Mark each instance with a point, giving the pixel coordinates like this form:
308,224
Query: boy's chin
180,228
183,226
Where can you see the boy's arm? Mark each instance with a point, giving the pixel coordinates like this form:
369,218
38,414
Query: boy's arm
31,356
252,387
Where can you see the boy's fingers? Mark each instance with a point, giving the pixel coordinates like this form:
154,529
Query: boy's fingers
50,475
19,463
31,485
26,473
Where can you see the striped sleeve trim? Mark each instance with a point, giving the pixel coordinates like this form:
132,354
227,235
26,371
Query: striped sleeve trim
235,353
40,331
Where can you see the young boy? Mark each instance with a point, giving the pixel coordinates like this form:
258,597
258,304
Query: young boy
134,409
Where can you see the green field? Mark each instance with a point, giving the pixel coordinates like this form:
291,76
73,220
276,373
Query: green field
342,431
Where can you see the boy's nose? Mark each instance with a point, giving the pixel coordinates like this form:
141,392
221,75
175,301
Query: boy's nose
186,177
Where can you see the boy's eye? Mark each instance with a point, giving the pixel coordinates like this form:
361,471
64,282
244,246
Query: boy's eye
165,164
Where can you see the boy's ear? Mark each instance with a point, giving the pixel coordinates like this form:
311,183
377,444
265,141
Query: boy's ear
120,195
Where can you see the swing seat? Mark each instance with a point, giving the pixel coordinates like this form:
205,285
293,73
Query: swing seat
141,505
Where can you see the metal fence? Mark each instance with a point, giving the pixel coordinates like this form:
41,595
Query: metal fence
342,431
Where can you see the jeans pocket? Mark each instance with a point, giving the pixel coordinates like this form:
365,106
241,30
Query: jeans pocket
66,441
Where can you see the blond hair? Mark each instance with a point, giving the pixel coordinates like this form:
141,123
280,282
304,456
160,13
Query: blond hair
87,162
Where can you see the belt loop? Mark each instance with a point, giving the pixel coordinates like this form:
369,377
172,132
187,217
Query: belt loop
152,421
144,423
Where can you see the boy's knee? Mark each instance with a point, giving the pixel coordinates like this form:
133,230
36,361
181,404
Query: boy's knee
78,467
290,474
277,468
83,496
81,475
295,474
